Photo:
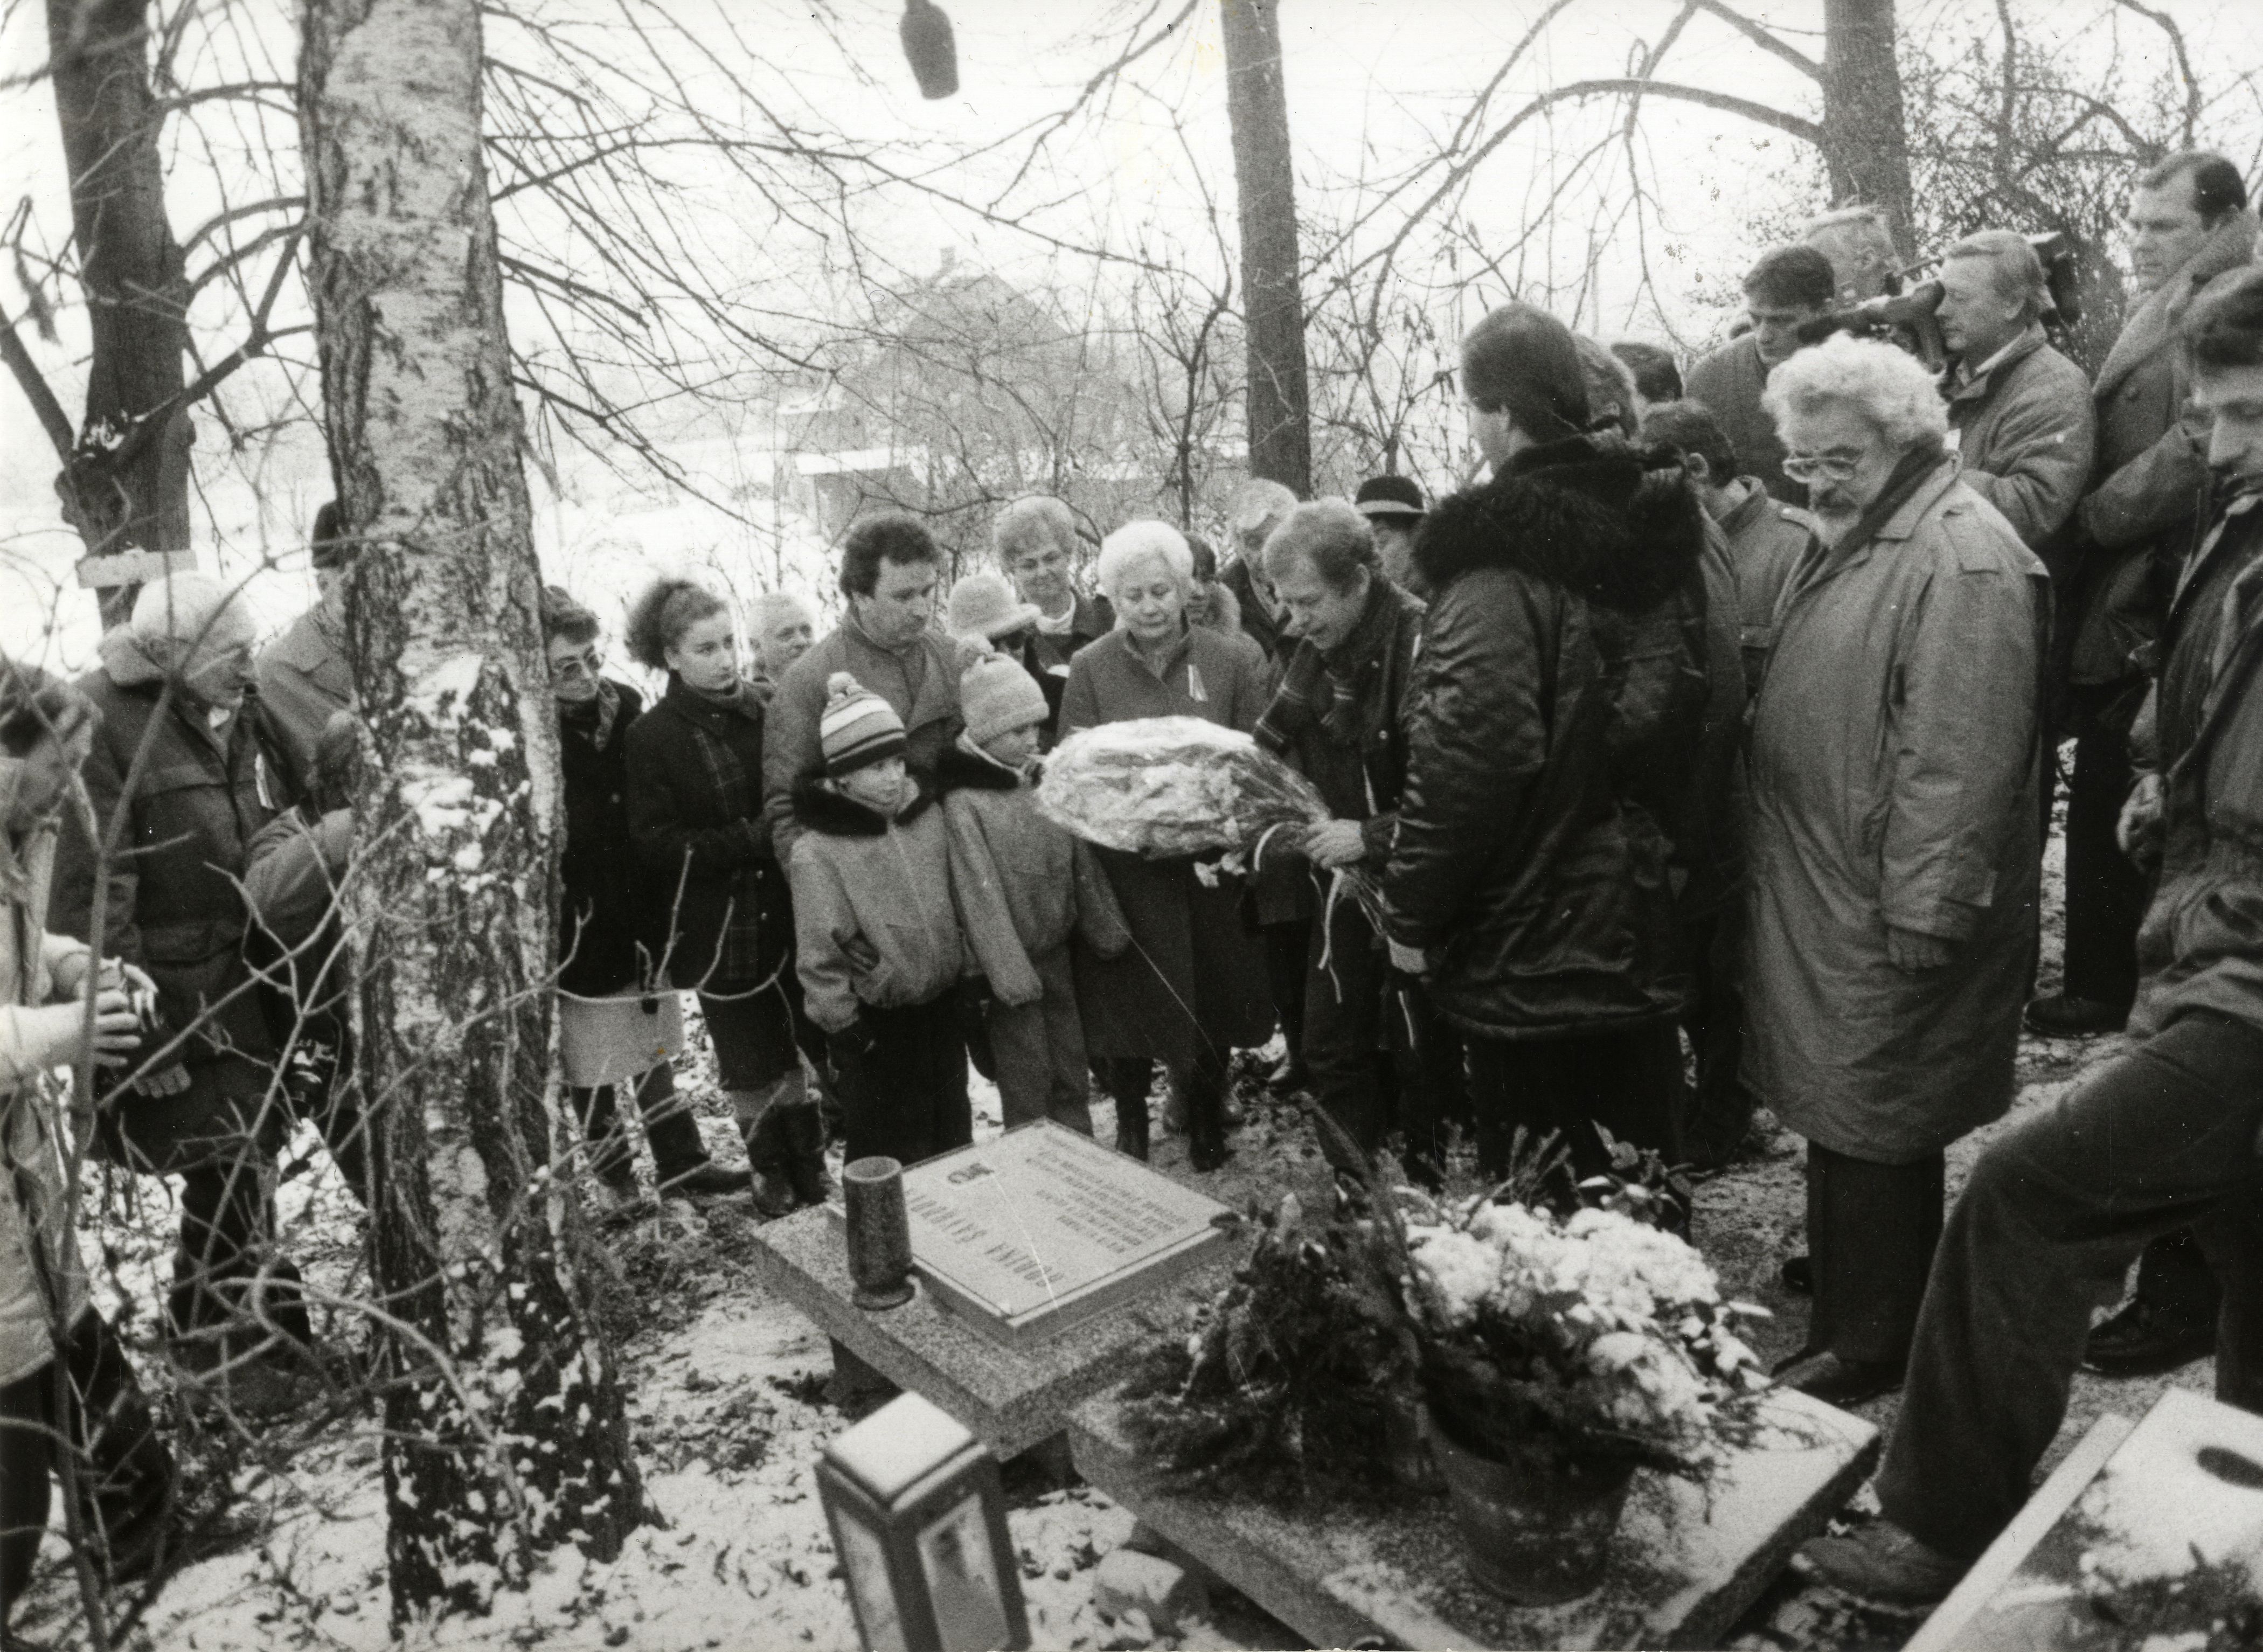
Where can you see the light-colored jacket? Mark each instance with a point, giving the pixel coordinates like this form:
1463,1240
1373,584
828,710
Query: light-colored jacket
37,1253
1023,885
1894,764
872,910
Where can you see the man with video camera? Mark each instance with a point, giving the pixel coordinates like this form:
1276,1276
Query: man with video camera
2020,410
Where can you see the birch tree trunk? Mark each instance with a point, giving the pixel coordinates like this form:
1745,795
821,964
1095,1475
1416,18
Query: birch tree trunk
1265,187
505,1433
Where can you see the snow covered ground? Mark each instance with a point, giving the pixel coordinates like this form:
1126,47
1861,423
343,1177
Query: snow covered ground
729,1410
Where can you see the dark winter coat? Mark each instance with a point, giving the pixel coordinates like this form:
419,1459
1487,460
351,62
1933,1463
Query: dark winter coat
2027,435
1047,656
2200,946
1352,745
702,848
1194,980
175,906
1258,624
1559,684
603,926
2152,476
1707,829
1894,763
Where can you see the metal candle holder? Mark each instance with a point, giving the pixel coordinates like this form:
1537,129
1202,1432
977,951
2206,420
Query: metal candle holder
880,1232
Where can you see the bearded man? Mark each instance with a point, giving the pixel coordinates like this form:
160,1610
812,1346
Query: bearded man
1893,863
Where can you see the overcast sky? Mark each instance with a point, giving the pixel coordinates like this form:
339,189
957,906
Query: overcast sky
1373,85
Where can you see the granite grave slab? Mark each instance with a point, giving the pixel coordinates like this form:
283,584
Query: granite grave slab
2144,1537
1688,1559
1043,1229
1013,1389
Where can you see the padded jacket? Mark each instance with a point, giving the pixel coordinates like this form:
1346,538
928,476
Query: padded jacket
1558,716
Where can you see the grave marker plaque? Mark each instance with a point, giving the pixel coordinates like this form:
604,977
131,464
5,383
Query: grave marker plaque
1043,1228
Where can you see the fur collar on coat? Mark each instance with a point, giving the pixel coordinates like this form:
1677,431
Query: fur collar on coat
1617,524
818,807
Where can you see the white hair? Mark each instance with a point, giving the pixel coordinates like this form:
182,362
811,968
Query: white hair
1888,386
1034,516
771,607
1136,541
190,607
1259,503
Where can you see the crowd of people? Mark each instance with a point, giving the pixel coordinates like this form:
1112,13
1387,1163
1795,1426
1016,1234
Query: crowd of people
1702,756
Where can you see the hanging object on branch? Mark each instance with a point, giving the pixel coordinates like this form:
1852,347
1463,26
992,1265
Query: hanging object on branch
931,47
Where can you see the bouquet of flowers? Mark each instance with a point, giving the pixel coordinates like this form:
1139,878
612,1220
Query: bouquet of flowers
1533,1316
1174,786
1591,1333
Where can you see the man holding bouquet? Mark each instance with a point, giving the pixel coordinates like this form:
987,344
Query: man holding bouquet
1340,716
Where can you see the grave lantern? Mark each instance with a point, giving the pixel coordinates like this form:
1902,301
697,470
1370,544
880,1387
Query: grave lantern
919,1521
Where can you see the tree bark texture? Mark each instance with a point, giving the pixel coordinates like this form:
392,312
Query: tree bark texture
1865,135
1265,186
125,484
505,1429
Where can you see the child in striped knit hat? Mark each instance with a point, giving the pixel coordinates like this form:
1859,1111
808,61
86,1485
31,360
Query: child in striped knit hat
881,949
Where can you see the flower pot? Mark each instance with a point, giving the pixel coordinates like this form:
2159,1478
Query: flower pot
1536,1529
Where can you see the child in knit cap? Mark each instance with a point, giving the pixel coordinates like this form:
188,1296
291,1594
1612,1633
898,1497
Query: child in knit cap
880,950
1023,887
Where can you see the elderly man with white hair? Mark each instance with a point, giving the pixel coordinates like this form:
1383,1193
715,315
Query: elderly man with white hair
182,772
1191,988
1894,764
1258,506
781,627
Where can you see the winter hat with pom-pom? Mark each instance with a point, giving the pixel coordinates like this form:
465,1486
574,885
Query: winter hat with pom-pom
997,695
858,728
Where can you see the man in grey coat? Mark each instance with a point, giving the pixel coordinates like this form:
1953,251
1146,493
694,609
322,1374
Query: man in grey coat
2021,413
1894,764
304,676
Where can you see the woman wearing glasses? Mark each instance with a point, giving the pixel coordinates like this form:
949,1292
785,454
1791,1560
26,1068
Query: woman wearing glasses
1893,857
604,976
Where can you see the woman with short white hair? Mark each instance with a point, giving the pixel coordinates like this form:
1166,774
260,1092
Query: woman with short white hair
1893,765
1192,986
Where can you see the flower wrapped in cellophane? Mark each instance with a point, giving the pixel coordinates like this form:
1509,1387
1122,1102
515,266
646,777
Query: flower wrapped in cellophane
1174,786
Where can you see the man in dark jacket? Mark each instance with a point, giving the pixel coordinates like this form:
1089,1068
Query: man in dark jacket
2025,430
1744,576
2165,1136
1788,286
1527,881
2189,226
1340,717
181,721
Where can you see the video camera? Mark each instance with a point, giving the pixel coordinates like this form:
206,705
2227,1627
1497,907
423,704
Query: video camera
1912,320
